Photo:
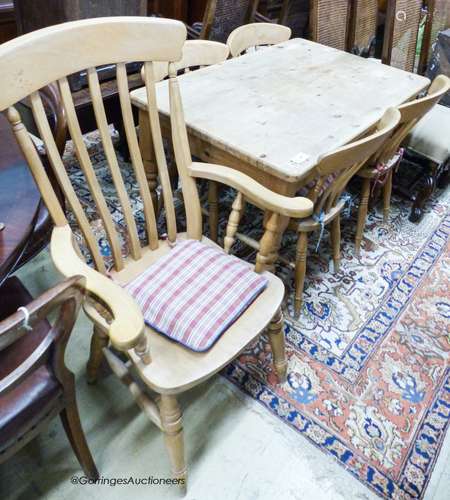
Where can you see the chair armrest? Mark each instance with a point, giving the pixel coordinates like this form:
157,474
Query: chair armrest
127,323
255,192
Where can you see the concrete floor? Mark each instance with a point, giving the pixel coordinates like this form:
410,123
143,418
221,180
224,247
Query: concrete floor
235,448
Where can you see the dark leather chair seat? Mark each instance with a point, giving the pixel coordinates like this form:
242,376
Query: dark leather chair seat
37,393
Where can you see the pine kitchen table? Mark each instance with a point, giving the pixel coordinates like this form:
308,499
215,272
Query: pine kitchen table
273,112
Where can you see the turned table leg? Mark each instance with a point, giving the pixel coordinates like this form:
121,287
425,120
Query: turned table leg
148,156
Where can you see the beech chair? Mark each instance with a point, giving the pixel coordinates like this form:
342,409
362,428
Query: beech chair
256,35
35,383
118,298
334,171
380,168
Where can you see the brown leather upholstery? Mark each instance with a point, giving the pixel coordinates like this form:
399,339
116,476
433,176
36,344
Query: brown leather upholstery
29,402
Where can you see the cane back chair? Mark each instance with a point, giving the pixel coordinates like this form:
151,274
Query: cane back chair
332,174
401,32
35,383
221,17
380,168
363,27
36,59
256,35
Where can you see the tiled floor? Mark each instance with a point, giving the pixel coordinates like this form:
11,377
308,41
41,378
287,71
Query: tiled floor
235,448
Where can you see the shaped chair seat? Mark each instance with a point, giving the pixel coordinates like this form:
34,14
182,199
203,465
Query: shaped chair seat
175,368
430,137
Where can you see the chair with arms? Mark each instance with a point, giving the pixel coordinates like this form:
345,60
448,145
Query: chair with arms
195,341
332,174
256,35
380,167
35,384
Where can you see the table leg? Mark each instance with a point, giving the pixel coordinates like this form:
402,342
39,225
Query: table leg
148,156
213,210
270,242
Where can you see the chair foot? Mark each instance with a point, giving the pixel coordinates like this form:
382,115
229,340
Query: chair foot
172,423
336,242
278,345
300,271
362,215
98,342
72,425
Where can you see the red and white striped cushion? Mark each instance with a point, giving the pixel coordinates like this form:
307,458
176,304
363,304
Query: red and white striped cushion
195,292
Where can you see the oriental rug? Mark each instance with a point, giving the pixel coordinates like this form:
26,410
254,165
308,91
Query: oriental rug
369,374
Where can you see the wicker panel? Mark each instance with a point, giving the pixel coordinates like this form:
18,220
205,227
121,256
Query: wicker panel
440,12
329,21
402,28
363,30
229,14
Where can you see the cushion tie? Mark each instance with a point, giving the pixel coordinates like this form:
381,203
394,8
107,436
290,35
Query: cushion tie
383,169
320,218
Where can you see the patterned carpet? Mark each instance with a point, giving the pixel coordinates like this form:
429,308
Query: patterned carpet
369,378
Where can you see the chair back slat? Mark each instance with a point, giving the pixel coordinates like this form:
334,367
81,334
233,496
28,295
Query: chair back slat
411,113
345,162
136,159
37,168
57,165
183,158
155,128
88,171
111,157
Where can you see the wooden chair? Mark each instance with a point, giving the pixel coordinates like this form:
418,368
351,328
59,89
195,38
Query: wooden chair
221,17
35,384
334,172
256,35
328,22
363,27
381,166
32,61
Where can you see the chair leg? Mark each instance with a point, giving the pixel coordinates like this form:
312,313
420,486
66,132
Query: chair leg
387,192
72,425
300,271
98,342
362,214
213,209
233,222
336,242
172,423
278,345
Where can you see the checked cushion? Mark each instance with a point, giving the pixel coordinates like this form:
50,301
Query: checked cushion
195,292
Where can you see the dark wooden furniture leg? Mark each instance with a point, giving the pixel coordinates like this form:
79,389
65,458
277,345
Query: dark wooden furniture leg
35,384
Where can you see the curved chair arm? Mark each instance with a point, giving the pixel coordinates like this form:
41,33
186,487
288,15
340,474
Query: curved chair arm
255,192
127,325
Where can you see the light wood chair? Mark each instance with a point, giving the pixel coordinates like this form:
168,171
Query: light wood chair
30,62
196,54
333,171
380,168
255,35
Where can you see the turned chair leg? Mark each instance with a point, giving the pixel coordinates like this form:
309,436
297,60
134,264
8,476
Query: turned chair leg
336,241
72,425
234,219
387,192
213,210
278,345
362,214
172,424
98,342
300,271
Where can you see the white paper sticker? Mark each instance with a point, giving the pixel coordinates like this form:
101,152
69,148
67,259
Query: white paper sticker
299,159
